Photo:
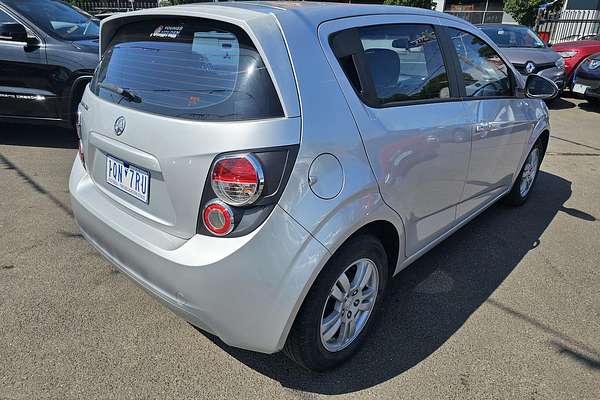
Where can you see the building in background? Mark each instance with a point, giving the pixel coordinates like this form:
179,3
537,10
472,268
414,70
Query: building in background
476,11
582,5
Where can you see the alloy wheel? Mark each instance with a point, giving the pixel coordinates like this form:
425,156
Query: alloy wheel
349,305
529,172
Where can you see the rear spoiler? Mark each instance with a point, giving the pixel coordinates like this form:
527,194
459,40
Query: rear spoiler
110,25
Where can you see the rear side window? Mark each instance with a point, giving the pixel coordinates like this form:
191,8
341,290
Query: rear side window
404,63
484,73
194,69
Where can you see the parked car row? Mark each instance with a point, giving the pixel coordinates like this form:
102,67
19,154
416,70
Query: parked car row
571,65
357,137
49,50
577,56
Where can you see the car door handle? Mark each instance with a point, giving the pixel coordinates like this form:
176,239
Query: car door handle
483,127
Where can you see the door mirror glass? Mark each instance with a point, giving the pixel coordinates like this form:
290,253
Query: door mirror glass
13,31
538,87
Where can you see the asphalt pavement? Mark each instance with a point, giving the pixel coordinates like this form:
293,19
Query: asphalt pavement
507,308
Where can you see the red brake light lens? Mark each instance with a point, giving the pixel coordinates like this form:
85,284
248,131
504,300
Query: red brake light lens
218,218
237,180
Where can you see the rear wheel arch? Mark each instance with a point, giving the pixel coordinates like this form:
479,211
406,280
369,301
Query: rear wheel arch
383,230
299,342
387,234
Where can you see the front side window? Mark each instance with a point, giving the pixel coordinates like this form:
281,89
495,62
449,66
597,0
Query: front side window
57,19
404,62
484,73
186,68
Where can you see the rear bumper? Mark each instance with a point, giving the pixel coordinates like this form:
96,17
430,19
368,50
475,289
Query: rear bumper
245,290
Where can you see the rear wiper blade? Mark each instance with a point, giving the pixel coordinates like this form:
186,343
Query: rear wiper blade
127,95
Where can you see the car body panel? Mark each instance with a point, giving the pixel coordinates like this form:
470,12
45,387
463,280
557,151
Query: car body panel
225,287
497,151
520,56
245,289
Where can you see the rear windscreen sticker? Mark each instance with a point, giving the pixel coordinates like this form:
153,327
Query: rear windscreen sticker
166,31
220,49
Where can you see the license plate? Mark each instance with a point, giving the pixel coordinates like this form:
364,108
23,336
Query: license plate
579,88
128,178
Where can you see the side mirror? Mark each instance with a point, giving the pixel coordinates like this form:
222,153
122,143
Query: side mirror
13,31
538,87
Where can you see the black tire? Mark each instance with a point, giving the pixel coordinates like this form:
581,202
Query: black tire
515,198
304,344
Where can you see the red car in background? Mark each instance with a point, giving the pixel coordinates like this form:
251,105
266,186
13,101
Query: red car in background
574,53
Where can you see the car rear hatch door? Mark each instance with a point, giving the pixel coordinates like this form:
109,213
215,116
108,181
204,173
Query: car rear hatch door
169,96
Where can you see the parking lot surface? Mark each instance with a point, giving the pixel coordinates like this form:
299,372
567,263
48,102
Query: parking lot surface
507,308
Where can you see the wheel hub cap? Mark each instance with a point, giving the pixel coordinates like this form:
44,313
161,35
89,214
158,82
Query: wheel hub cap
349,305
529,171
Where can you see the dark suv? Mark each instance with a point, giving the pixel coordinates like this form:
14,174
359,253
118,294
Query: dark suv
48,53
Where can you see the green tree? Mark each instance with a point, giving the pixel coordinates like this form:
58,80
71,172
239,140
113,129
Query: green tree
411,3
525,11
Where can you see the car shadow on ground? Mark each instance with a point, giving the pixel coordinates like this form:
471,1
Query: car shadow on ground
430,300
590,107
560,103
565,101
37,136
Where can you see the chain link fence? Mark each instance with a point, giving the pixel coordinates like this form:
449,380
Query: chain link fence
98,7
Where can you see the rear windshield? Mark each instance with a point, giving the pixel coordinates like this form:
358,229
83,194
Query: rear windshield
187,68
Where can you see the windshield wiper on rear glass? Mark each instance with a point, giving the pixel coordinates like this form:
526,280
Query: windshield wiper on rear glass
127,95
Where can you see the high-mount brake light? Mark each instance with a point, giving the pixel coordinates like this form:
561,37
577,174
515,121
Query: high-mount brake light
218,218
238,179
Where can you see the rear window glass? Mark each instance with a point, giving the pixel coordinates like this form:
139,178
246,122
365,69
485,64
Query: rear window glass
187,68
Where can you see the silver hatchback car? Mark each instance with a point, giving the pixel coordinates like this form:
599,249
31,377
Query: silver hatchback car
264,169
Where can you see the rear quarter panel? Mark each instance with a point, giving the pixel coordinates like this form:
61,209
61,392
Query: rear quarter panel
328,127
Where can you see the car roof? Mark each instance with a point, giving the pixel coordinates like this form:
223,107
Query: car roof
496,25
314,12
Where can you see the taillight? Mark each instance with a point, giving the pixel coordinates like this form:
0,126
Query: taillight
218,218
245,185
237,179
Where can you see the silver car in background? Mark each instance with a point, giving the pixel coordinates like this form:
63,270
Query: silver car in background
264,169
